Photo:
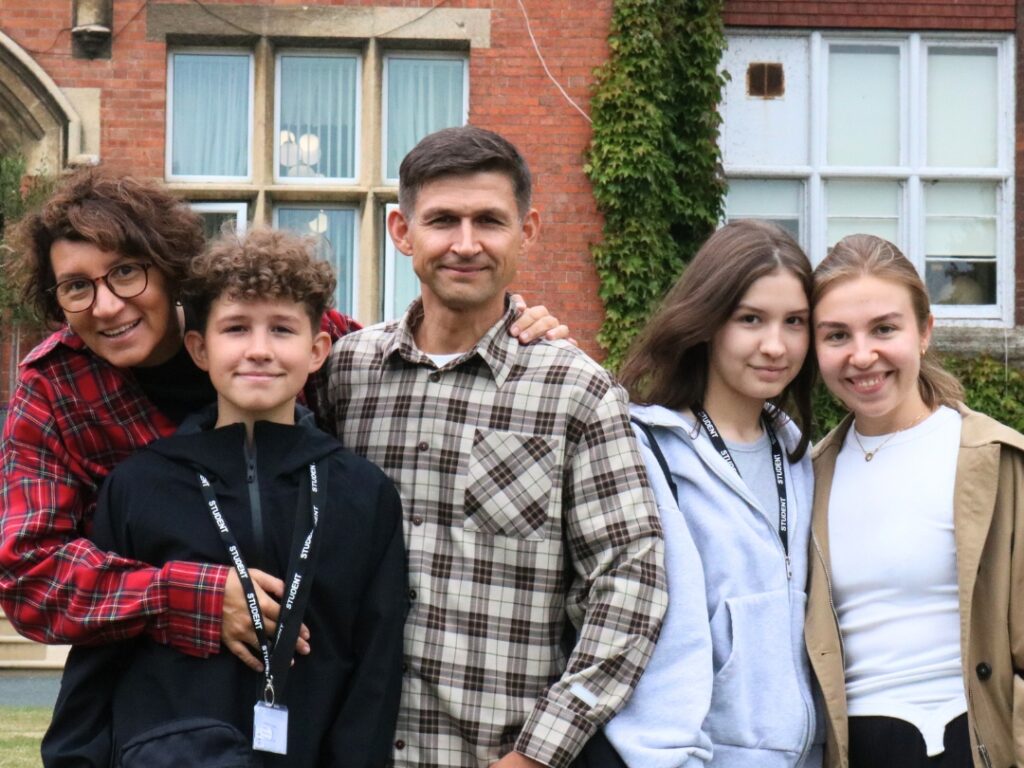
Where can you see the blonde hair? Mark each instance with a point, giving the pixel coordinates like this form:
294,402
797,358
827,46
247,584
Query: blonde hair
866,255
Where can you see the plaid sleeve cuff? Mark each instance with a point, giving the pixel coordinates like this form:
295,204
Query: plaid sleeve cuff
554,735
195,605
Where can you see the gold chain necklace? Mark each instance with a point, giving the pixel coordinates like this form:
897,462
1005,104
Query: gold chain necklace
869,455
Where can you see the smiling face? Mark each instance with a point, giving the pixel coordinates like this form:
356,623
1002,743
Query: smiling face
465,237
869,350
762,346
258,354
137,332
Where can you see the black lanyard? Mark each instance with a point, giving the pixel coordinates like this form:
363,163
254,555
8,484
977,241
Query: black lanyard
300,562
777,466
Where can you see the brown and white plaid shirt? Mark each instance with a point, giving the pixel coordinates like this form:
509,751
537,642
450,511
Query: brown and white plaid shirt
525,502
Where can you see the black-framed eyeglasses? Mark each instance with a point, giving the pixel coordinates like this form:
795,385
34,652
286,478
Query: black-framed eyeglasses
126,281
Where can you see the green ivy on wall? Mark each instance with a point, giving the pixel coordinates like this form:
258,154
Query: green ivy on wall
654,159
18,195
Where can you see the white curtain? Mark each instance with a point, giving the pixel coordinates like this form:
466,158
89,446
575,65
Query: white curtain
318,116
863,106
963,107
336,229
424,95
210,122
872,207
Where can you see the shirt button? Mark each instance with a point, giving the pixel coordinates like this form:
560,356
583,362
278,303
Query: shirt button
399,744
417,520
412,594
434,377
984,671
422,445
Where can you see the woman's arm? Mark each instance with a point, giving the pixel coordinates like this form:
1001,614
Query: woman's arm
56,586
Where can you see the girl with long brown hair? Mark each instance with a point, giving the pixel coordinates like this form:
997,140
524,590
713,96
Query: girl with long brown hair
712,376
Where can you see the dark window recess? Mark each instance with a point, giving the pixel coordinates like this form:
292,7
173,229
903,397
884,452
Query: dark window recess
765,81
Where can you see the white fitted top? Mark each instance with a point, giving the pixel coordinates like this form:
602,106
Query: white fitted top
893,554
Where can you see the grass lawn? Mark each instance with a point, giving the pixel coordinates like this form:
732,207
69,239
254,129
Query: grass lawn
21,730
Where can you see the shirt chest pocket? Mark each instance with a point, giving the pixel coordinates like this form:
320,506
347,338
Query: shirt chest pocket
509,482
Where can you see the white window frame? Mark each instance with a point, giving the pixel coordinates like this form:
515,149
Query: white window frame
169,115
911,172
240,211
354,278
313,181
385,79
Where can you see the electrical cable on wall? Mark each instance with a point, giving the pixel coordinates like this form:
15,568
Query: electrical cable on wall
61,31
543,63
217,16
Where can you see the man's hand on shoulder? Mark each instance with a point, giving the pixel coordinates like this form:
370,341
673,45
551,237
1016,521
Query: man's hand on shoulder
536,322
516,760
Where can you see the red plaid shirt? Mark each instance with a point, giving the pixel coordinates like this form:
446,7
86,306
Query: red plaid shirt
72,418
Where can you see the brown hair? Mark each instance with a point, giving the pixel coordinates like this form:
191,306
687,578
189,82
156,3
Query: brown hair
461,152
668,362
120,214
261,264
866,255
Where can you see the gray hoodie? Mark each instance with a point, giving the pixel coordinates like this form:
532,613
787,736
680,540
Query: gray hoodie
729,683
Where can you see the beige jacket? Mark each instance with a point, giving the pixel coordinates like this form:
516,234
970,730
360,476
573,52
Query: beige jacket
988,504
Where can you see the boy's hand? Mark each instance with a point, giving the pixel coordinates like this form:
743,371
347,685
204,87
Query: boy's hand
535,322
236,630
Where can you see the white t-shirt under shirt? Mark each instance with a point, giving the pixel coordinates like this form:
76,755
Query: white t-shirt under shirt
893,553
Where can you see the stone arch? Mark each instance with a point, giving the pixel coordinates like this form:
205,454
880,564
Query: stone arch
36,117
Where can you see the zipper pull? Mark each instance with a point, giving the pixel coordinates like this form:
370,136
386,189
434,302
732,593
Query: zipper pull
789,569
983,751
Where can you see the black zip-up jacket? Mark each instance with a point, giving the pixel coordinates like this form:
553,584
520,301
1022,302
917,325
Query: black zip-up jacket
343,697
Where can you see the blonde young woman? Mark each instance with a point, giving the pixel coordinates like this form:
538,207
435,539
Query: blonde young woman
915,622
729,683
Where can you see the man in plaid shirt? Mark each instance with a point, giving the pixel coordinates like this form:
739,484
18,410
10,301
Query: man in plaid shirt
526,503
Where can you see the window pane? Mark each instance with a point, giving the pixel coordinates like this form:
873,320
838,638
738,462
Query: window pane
869,207
210,115
317,119
220,217
424,95
863,106
962,107
778,201
401,285
214,223
960,242
336,229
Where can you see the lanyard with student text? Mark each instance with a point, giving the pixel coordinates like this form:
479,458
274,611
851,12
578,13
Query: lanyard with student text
277,662
777,467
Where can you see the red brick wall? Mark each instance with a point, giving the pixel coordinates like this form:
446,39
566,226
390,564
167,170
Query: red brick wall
509,92
987,15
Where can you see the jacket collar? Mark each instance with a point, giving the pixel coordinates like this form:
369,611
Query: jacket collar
497,349
223,452
62,337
